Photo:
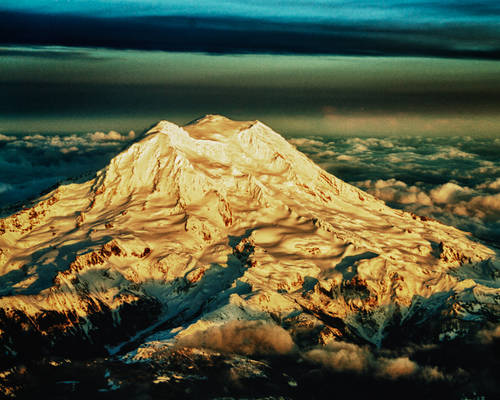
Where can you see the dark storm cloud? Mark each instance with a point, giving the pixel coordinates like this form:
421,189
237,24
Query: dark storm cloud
241,35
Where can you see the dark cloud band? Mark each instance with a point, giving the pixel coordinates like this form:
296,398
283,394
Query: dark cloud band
227,35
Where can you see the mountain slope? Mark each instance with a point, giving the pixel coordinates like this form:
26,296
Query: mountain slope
219,220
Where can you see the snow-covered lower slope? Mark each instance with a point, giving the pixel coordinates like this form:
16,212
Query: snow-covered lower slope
220,220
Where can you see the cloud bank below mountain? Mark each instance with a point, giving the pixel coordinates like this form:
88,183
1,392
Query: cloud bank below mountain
455,180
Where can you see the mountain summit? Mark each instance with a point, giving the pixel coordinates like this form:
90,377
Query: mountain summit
196,226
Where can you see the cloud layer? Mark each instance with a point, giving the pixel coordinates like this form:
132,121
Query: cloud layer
262,339
243,337
30,164
455,180
349,357
314,30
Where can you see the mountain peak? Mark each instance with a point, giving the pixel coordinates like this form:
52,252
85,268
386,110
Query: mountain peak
208,127
217,147
225,219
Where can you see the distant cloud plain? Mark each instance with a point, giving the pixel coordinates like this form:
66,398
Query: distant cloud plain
68,89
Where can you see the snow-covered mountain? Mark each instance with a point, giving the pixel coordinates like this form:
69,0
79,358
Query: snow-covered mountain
220,220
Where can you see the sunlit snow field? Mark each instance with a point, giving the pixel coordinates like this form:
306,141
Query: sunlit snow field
453,179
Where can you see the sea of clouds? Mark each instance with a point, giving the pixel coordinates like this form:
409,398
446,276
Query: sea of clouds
455,180
31,164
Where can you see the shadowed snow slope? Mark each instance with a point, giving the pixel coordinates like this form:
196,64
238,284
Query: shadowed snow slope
220,220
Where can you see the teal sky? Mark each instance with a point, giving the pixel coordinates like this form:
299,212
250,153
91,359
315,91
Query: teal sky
318,10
